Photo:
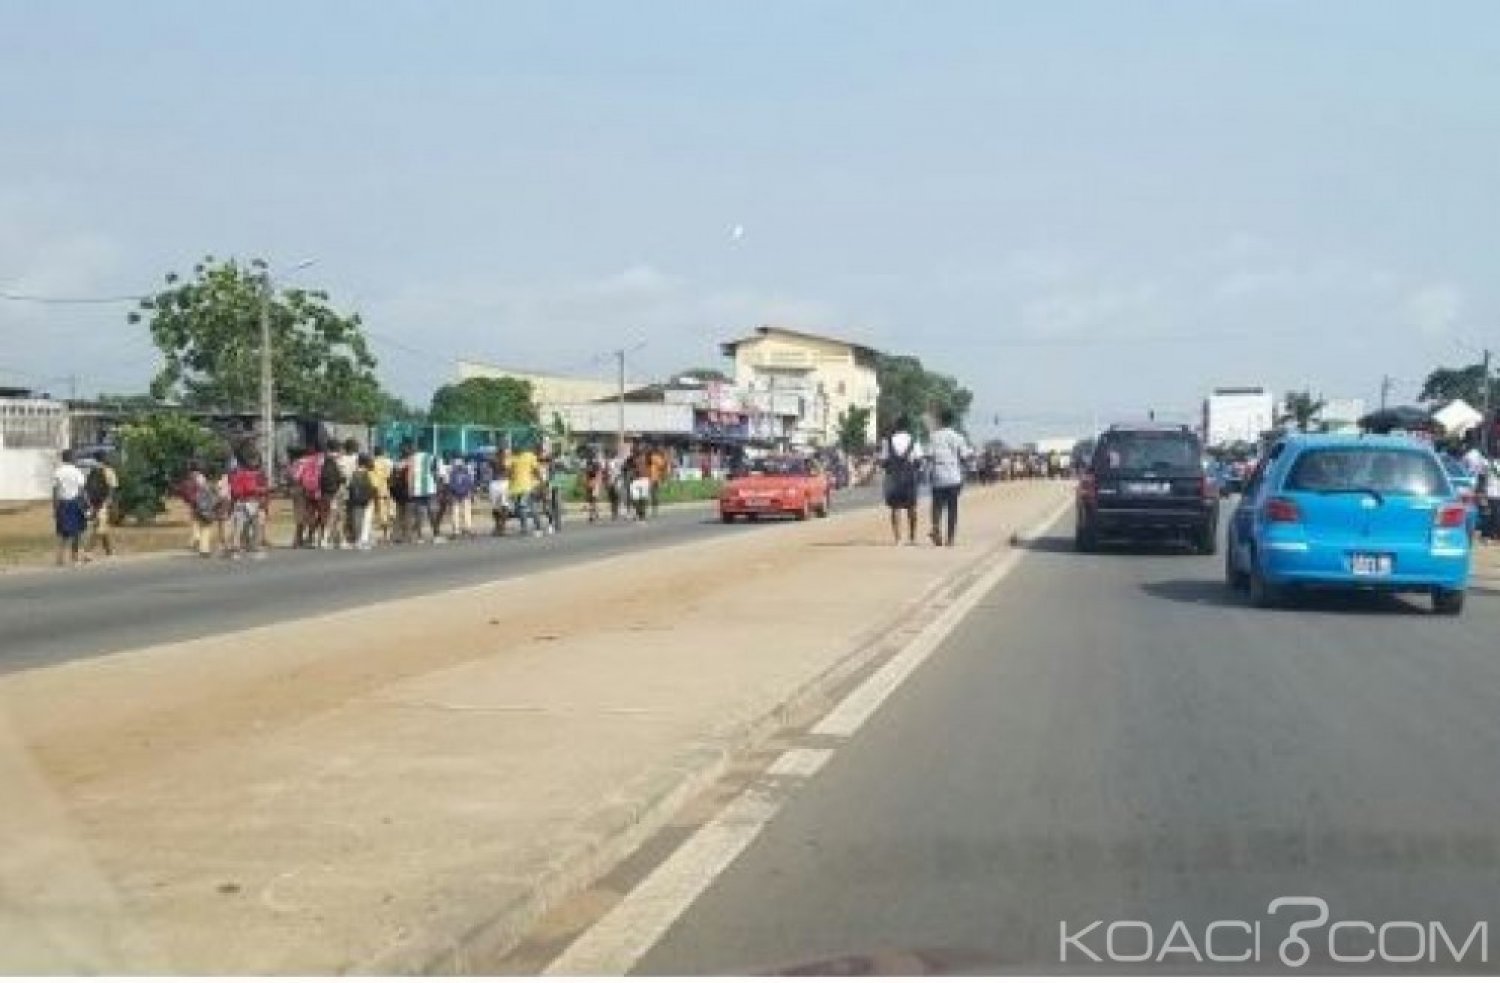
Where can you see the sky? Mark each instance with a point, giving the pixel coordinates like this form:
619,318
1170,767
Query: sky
1084,210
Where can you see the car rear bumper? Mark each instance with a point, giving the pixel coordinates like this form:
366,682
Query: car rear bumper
1413,568
1144,521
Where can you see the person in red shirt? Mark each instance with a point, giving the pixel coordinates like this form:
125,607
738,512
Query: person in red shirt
249,491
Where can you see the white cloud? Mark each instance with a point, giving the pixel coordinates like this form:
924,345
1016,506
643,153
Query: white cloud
570,325
1434,309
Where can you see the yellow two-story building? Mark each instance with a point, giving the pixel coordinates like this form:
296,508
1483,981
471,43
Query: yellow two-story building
824,376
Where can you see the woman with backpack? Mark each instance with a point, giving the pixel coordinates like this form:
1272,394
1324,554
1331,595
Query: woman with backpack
461,497
361,503
901,457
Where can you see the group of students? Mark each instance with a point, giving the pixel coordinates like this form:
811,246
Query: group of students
84,503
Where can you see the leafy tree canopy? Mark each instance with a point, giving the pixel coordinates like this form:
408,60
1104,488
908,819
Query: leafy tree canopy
908,388
207,327
485,402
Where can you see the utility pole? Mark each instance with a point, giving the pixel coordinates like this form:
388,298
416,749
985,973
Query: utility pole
1385,389
267,381
1487,427
620,402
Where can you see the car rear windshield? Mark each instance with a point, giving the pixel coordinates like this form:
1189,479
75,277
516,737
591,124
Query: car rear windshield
1148,451
1388,471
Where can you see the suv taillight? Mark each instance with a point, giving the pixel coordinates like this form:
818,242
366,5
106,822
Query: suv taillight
1088,487
1282,510
1452,515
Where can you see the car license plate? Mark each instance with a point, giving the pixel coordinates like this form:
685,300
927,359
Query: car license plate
1148,487
757,503
1370,564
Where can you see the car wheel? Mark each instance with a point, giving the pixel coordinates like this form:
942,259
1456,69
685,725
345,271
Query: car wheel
726,518
822,509
1263,593
804,513
1448,601
1085,540
1234,577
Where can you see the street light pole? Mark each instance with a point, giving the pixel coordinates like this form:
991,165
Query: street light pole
267,376
267,380
620,404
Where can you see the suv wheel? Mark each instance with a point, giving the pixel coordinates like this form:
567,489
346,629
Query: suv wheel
1085,540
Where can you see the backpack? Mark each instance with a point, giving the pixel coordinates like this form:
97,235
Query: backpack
96,486
461,481
206,503
244,485
361,488
330,478
308,476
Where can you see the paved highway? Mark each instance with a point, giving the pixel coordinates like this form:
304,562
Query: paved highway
1115,737
50,616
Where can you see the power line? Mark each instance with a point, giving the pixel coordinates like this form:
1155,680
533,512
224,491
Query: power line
40,299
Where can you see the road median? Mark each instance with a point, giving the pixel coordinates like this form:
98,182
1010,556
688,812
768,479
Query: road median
407,787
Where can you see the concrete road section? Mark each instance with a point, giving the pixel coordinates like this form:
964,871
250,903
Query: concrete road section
408,786
50,616
1116,743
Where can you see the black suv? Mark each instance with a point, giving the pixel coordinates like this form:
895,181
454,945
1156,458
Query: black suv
1147,481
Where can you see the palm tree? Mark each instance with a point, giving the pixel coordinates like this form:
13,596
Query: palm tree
1301,409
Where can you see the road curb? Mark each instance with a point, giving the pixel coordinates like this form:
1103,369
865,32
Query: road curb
644,809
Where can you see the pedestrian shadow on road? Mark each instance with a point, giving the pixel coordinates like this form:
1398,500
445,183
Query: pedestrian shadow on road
1214,593
1064,544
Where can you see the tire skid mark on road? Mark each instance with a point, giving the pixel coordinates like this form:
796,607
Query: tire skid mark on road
619,940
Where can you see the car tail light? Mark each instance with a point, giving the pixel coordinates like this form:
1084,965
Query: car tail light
1205,487
1282,510
1452,515
1088,487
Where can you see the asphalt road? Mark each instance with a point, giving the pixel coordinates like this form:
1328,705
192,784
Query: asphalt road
1116,737
51,616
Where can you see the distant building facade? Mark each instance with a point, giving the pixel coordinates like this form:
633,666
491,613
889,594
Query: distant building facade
782,369
1238,414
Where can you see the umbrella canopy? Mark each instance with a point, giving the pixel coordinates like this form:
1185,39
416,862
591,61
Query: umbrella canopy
1397,418
1458,417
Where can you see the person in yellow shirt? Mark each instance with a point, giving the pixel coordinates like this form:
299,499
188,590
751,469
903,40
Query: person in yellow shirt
380,477
522,467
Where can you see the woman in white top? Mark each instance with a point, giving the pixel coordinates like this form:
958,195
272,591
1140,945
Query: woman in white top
901,458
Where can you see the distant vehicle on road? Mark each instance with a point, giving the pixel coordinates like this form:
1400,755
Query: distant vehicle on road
1466,485
776,486
1350,512
1147,482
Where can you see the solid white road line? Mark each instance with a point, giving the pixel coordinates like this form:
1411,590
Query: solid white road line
858,706
621,938
802,762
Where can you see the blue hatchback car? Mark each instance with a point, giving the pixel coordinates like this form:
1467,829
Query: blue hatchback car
1350,512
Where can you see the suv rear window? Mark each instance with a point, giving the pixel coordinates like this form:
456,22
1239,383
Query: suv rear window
1388,471
1148,451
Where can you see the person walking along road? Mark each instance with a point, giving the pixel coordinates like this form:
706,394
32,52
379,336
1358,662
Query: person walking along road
900,457
69,507
362,497
102,489
248,493
948,451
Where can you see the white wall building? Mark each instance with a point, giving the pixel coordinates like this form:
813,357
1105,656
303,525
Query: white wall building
33,432
1233,414
1342,415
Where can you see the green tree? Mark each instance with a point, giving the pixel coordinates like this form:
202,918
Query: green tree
208,330
1444,385
854,425
486,402
1300,409
156,451
908,388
